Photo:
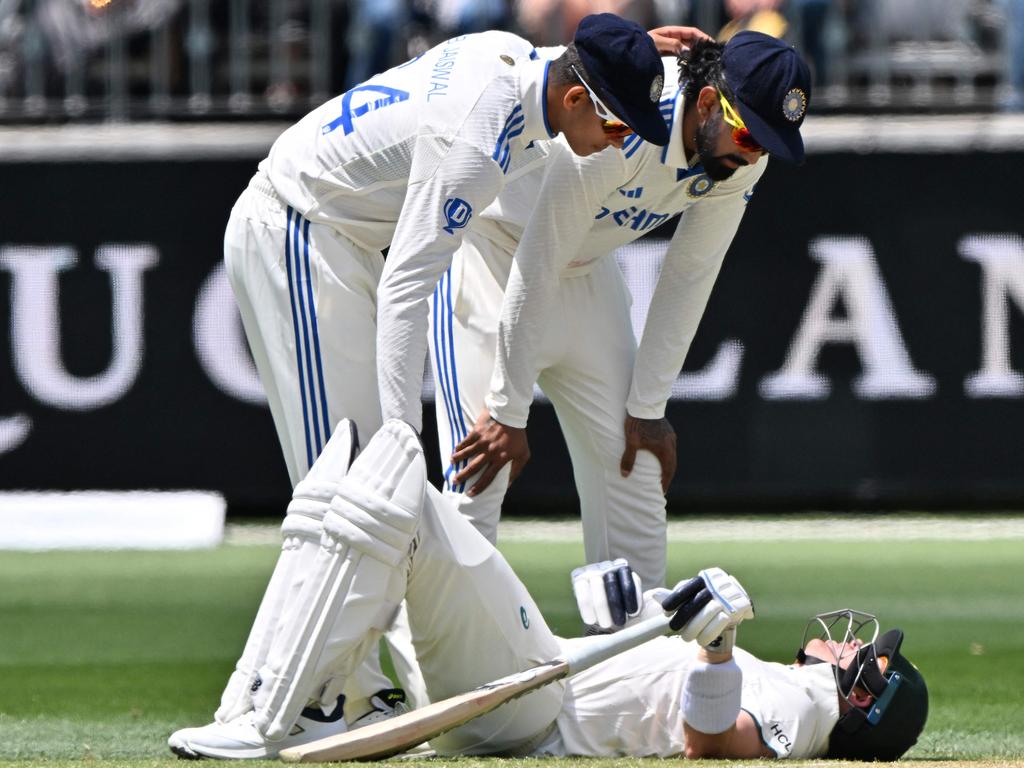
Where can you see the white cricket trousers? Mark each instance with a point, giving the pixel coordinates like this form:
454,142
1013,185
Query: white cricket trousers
308,301
473,622
587,367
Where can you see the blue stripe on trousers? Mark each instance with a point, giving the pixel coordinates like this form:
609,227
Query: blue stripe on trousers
316,339
295,326
442,372
454,379
305,335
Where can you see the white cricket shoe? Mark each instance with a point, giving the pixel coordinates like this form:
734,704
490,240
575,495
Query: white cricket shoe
386,704
240,740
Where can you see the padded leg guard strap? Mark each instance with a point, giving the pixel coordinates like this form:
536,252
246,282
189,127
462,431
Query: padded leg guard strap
356,582
301,533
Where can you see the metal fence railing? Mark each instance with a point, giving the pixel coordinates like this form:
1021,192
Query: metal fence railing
124,60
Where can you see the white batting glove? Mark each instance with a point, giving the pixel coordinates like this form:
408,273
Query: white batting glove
707,605
607,593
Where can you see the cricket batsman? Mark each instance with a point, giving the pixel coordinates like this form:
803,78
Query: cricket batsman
544,248
389,536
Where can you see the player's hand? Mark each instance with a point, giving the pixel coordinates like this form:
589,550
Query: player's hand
707,605
656,436
607,593
671,40
489,446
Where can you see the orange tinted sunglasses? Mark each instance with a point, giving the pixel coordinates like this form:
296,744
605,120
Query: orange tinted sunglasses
610,124
740,133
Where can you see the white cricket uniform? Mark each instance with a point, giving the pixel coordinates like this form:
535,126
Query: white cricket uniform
632,704
473,621
565,322
404,160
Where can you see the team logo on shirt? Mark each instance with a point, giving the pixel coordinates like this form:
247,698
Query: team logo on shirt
457,213
700,186
523,617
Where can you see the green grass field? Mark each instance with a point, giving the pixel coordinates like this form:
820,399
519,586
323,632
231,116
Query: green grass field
102,655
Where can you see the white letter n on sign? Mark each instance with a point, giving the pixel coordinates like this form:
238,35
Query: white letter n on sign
1001,258
848,272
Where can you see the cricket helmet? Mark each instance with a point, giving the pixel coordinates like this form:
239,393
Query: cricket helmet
890,725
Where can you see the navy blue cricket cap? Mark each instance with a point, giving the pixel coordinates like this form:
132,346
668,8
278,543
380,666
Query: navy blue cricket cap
625,70
771,88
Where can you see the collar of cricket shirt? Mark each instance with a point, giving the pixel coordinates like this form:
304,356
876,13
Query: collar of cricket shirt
533,87
673,154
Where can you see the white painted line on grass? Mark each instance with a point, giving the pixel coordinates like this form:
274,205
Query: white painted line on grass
36,520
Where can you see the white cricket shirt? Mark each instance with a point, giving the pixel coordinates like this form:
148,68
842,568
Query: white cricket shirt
570,211
632,704
408,158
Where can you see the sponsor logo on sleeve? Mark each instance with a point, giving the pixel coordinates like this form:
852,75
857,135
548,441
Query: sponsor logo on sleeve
457,213
779,736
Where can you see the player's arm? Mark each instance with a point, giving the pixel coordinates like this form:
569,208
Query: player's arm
569,198
708,609
741,742
442,198
673,40
688,274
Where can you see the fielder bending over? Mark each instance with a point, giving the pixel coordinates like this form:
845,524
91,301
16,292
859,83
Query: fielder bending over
407,160
565,323
389,536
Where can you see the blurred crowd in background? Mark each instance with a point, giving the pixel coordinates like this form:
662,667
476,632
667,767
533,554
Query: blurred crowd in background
213,59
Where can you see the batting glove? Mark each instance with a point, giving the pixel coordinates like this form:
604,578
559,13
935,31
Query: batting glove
607,593
707,605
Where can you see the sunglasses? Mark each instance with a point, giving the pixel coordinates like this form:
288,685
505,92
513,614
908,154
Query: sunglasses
610,124
740,133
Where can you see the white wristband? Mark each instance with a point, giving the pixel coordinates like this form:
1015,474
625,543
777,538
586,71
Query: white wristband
711,696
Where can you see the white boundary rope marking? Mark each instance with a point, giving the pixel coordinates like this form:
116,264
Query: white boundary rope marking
836,527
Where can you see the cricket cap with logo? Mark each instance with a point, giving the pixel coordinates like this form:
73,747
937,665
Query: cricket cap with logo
771,88
624,68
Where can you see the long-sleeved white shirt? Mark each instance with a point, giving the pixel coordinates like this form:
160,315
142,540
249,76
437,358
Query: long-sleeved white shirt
407,159
571,211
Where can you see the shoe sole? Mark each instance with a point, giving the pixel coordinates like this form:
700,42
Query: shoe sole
184,753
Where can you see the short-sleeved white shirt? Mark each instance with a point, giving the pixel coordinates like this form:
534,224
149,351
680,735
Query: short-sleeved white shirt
632,704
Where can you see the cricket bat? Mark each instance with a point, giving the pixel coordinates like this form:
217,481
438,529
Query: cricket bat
390,737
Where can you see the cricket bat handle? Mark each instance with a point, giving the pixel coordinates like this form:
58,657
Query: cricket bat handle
602,647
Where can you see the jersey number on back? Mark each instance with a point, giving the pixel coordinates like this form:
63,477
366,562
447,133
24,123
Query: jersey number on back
388,96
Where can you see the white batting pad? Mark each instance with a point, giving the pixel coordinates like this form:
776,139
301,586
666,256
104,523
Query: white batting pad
356,581
313,494
301,533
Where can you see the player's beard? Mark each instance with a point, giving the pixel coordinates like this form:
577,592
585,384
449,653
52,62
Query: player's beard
707,139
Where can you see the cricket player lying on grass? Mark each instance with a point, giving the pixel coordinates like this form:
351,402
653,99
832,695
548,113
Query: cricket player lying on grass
563,321
389,535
